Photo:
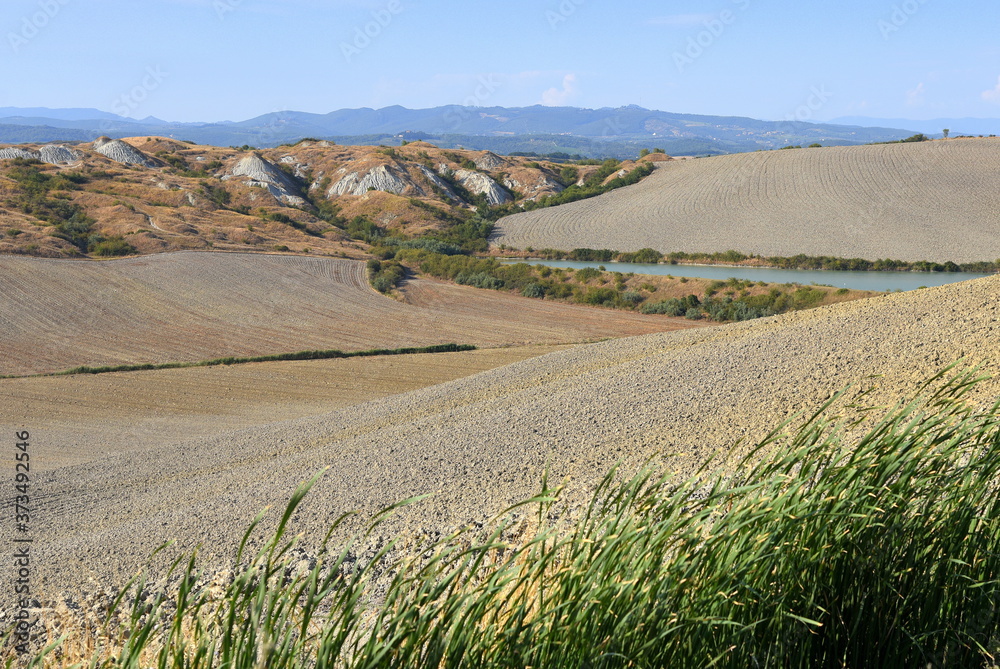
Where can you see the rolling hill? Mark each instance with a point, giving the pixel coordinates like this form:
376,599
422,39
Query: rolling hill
157,194
195,306
483,442
936,201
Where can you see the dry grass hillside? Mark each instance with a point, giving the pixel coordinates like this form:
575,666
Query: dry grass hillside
194,306
159,194
936,201
482,442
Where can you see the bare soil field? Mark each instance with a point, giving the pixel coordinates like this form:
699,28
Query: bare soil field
936,201
85,417
482,442
190,306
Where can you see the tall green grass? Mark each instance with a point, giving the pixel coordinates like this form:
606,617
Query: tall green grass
839,545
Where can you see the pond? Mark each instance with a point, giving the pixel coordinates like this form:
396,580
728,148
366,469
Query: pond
879,281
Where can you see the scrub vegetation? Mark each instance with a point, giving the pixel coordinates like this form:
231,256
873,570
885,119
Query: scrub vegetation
696,299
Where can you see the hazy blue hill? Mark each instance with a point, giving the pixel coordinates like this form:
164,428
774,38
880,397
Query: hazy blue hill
606,123
22,134
620,132
71,114
122,125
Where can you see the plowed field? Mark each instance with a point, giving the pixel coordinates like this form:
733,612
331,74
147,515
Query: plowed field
84,417
937,201
57,314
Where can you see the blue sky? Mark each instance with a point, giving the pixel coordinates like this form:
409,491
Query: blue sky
208,60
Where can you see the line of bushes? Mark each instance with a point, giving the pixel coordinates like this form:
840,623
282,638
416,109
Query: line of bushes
277,357
730,308
801,261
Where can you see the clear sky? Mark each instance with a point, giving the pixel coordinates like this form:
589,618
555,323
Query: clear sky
211,60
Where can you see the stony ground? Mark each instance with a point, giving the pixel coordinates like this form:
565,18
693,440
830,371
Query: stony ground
936,201
482,442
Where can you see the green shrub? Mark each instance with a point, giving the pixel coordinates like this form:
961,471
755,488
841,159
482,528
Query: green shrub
632,297
480,280
569,175
361,228
714,287
534,289
426,243
600,296
646,256
385,276
113,246
278,217
592,255
671,307
587,274
216,194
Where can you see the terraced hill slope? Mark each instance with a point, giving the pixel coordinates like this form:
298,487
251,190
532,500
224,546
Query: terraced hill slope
483,442
193,306
937,201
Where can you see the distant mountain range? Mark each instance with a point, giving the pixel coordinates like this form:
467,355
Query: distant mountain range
620,132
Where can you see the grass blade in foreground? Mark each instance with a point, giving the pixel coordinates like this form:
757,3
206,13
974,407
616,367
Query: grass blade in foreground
826,550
